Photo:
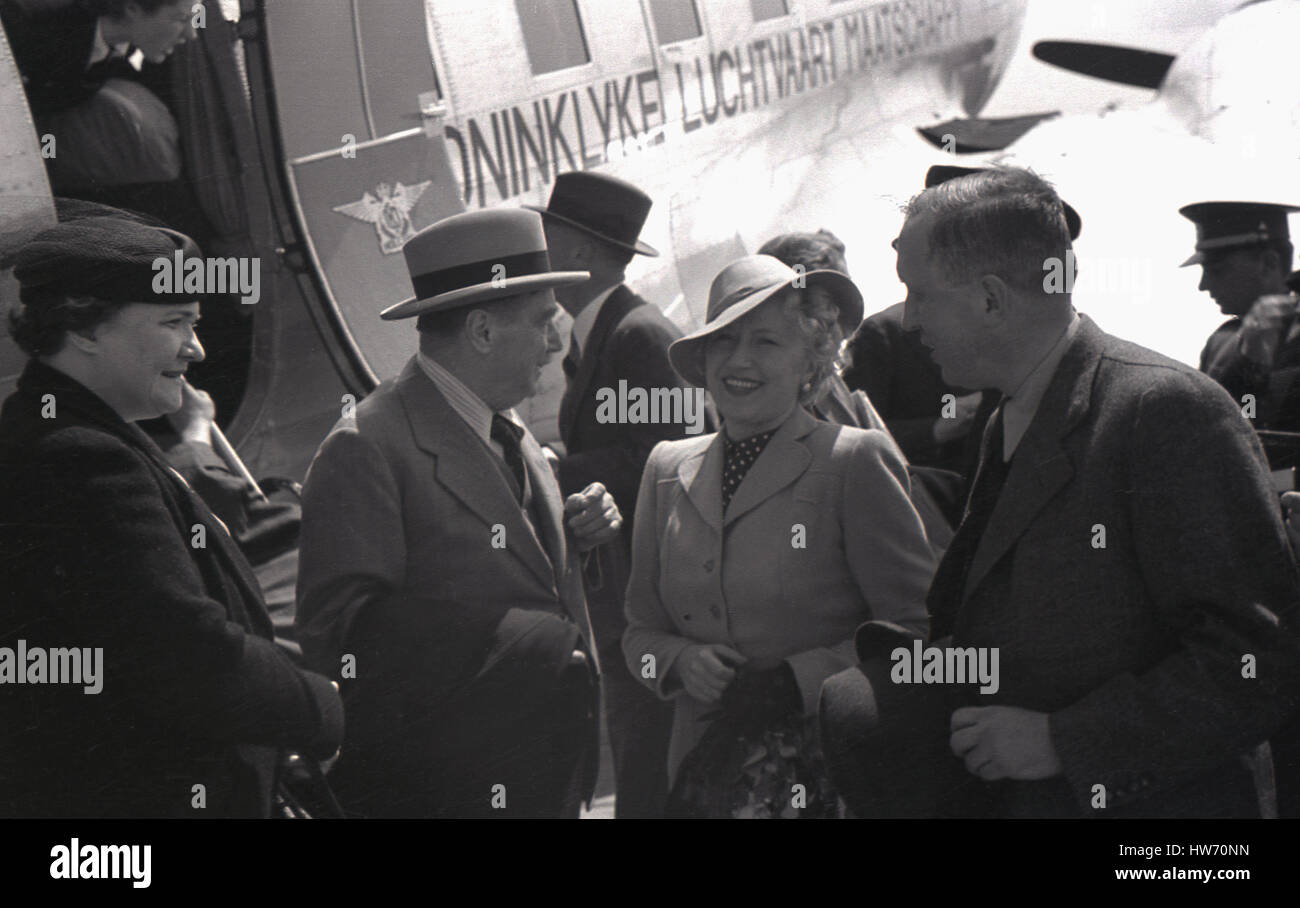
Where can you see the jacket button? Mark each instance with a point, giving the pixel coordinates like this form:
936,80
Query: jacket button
708,566
686,617
715,611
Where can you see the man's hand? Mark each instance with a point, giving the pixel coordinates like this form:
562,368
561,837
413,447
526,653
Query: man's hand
706,670
948,428
593,517
1261,329
193,421
1291,505
1004,742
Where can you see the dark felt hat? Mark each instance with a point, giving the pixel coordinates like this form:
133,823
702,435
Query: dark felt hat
745,284
477,257
886,744
942,173
1224,226
106,256
604,206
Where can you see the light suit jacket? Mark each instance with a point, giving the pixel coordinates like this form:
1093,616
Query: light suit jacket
820,537
416,557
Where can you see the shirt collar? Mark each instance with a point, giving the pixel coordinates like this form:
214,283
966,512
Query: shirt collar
1019,408
586,319
468,405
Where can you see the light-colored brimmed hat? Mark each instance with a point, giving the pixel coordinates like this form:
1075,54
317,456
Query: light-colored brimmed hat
742,287
476,257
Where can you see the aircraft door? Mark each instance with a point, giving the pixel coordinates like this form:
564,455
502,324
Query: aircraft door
359,107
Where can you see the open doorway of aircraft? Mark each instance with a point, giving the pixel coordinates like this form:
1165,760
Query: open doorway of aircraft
344,126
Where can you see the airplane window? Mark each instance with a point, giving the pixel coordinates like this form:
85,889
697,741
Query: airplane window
552,34
675,20
768,9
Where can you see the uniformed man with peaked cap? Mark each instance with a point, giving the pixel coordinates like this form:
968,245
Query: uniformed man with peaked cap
1244,250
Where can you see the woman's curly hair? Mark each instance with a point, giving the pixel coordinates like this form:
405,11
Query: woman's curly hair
40,325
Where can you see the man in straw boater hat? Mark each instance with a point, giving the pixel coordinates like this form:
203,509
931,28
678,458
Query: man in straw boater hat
1245,253
593,222
436,578
1121,564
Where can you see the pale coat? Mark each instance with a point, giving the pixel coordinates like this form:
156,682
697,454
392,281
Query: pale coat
417,559
746,582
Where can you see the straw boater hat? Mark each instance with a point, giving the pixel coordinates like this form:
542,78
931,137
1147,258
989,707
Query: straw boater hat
742,287
606,207
477,257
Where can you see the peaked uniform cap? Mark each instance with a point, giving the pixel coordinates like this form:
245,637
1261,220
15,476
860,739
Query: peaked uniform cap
603,206
1224,226
742,287
477,257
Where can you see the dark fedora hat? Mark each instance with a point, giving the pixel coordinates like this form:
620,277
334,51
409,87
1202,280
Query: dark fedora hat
740,288
476,257
604,206
942,173
886,744
1224,226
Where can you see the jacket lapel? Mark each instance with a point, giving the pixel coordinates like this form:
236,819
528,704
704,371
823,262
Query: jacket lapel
549,507
782,462
463,467
1041,466
701,477
617,305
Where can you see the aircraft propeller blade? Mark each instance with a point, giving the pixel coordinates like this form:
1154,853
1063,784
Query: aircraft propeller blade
969,136
1125,65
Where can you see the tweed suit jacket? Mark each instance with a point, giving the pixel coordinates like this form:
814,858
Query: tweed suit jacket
1134,564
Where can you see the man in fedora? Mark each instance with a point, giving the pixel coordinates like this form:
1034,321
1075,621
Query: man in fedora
592,223
437,578
1121,554
1245,253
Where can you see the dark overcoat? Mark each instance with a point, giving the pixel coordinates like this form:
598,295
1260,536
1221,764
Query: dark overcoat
105,547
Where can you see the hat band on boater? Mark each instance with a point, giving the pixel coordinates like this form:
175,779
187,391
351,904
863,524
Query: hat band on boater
502,267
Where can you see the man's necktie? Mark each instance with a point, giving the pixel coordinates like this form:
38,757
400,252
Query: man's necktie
508,435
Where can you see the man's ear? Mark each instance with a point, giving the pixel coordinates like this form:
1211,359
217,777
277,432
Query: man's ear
480,330
1271,262
996,295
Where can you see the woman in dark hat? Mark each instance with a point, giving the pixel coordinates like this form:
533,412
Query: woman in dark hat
758,550
137,672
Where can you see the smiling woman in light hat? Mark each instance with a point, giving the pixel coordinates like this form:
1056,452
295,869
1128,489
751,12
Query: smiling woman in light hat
760,549
183,704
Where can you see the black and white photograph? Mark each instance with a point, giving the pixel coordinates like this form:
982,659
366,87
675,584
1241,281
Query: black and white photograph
446,410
